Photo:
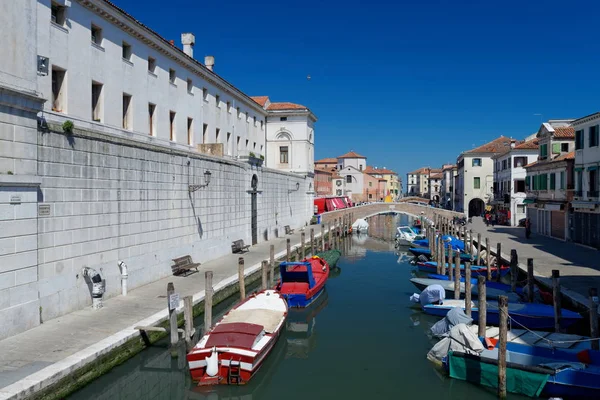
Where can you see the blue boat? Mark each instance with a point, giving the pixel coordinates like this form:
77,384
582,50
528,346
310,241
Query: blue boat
493,289
532,370
497,286
449,242
302,282
527,315
430,267
420,251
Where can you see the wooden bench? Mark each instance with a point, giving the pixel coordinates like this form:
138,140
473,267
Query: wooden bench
183,265
239,247
288,230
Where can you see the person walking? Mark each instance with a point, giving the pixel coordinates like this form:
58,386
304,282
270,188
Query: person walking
527,228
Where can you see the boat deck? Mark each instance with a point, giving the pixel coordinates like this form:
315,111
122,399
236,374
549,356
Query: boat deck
538,338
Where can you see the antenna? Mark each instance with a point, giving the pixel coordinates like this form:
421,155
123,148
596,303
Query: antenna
540,115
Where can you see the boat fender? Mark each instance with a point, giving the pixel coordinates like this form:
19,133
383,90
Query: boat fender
212,363
489,344
584,356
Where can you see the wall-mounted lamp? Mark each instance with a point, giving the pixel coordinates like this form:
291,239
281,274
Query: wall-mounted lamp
295,190
207,174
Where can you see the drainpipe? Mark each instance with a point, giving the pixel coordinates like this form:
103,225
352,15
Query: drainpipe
124,276
97,286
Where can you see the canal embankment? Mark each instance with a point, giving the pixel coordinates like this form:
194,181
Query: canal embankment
64,354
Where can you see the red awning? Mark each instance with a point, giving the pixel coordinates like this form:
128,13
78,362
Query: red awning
339,203
330,205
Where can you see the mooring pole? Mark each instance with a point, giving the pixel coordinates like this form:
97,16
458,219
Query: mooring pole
482,305
241,278
479,249
264,274
503,309
488,257
188,317
208,300
288,245
468,288
322,237
556,298
271,277
457,275
172,315
312,242
594,317
498,261
514,268
530,281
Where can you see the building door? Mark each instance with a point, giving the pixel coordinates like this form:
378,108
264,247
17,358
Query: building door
254,209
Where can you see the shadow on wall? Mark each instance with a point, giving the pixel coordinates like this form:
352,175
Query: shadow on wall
198,222
266,235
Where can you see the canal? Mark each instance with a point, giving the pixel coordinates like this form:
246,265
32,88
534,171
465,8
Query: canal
362,340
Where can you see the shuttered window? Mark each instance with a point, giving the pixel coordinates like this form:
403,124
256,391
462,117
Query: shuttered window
552,181
555,148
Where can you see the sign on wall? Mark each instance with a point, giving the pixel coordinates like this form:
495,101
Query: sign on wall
43,210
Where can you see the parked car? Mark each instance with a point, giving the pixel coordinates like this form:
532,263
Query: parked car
522,221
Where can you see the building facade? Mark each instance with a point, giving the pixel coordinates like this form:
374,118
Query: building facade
586,204
323,181
509,179
447,186
475,182
435,185
413,183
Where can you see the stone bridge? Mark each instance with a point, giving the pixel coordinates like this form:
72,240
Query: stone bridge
402,207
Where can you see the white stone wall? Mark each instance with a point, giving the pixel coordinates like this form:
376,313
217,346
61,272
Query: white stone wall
587,156
113,199
69,47
352,162
486,178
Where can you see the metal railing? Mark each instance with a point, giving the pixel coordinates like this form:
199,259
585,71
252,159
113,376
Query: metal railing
592,193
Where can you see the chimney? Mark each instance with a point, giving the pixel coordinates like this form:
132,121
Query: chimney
513,142
188,40
172,42
209,61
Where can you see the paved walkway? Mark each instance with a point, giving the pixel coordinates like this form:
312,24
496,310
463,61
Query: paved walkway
75,337
579,266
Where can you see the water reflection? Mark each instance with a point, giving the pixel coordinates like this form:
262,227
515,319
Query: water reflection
300,328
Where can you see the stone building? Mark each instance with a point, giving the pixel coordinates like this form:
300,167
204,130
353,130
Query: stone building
447,186
323,181
142,154
586,204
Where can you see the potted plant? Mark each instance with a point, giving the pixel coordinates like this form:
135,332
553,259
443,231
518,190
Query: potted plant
253,159
68,127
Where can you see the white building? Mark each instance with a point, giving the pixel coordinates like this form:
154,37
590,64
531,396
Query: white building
476,176
447,186
413,183
586,205
290,136
351,166
435,184
509,178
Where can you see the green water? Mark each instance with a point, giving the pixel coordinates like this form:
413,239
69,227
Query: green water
362,340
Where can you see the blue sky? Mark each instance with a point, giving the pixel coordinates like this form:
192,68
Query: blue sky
405,83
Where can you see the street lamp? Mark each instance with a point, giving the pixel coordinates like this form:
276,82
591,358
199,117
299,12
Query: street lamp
207,175
294,190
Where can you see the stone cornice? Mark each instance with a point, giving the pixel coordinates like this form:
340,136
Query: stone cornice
586,119
127,23
20,99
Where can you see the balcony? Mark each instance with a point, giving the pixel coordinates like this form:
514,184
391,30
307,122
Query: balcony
592,193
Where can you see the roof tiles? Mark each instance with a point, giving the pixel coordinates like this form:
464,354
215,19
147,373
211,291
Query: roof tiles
564,132
352,154
495,146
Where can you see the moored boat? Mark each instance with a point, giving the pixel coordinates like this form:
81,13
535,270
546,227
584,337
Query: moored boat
430,267
235,348
302,282
493,289
421,251
405,235
360,226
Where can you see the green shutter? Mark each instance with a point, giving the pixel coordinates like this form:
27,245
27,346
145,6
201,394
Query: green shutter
555,148
527,181
562,180
552,181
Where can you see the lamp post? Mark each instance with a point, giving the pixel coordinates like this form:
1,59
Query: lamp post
294,190
207,175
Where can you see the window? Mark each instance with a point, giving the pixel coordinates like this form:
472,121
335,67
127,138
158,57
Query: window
59,100
151,64
151,121
205,94
564,147
521,208
552,181
593,183
172,126
360,167
283,154
247,141
476,162
204,132
239,113
126,51
283,118
579,140
190,131
519,185
228,141
218,101
190,86
555,148
96,35
476,183
370,184
593,136
348,178
543,151
127,114
172,76
58,14
97,101
562,180
503,165
261,125
217,134
254,121
579,187
239,138
520,162
338,192
228,106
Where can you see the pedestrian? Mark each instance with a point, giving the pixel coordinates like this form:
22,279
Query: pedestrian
527,228
487,219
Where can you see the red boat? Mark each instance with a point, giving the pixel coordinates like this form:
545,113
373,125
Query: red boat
235,348
302,282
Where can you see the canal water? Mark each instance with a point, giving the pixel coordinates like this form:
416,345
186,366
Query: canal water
362,340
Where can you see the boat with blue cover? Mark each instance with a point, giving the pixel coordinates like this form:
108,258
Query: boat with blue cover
532,370
430,267
493,289
421,251
449,242
527,315
302,282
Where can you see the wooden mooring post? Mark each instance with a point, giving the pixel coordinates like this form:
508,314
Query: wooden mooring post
208,300
457,275
471,243
465,239
488,258
271,277
481,305
329,233
479,249
241,278
322,237
265,274
302,240
172,299
442,257
468,288
556,298
498,261
514,269
288,247
312,242
503,337
188,318
530,281
594,317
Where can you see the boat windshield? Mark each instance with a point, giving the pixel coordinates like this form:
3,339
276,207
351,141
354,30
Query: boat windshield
406,230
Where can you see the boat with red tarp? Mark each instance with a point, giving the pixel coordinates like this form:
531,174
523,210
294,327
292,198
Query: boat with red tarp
302,282
235,348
